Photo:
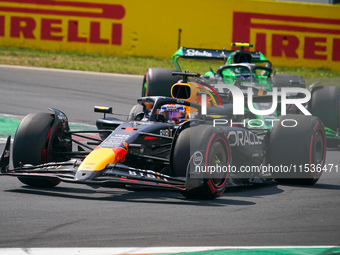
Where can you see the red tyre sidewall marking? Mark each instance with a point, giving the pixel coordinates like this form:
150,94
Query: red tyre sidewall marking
210,182
45,154
47,140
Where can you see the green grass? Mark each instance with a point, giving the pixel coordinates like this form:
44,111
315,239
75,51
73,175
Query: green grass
125,65
79,61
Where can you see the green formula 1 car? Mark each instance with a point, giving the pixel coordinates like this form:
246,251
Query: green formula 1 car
244,69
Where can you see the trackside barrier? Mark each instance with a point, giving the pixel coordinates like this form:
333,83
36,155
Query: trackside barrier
291,34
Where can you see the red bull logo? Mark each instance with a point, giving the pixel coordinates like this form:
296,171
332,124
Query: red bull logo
120,153
100,157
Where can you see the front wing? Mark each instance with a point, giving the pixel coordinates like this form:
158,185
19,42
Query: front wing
114,175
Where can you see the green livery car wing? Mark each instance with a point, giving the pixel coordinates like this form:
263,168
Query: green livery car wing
213,54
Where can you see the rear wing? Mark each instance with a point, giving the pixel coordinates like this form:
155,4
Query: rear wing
212,54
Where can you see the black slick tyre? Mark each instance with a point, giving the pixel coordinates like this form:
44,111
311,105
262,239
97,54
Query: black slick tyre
158,82
210,146
30,145
297,149
325,104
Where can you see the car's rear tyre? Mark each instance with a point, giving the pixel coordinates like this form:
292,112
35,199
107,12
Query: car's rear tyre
297,149
30,145
325,104
158,82
288,80
212,145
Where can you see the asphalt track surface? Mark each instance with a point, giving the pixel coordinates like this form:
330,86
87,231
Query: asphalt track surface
79,216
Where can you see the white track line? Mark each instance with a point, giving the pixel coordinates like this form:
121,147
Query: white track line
136,250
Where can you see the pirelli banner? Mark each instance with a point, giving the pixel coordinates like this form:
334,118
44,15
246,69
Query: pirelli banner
291,34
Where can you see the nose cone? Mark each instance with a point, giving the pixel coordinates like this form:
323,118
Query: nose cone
100,157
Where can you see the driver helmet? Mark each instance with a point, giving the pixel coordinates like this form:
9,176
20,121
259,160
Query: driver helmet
175,112
244,73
